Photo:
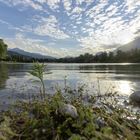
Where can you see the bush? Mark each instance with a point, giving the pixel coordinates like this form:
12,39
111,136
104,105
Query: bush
44,120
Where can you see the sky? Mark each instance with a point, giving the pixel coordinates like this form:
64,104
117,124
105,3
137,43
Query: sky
69,27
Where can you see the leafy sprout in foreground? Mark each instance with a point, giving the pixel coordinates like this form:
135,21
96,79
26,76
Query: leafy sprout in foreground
38,70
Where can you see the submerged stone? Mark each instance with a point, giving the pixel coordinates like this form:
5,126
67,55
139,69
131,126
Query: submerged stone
100,122
134,98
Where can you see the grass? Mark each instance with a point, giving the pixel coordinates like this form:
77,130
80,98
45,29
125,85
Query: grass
46,119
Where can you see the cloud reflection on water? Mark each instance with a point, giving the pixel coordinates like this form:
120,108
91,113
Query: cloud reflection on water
111,78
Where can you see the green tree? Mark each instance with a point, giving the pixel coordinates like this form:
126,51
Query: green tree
3,50
111,57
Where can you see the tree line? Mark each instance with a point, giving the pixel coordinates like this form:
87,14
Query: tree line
3,50
132,56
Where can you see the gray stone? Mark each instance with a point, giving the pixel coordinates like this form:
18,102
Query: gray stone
100,122
100,105
134,98
68,109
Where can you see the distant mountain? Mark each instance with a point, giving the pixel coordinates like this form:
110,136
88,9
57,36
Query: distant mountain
20,52
135,44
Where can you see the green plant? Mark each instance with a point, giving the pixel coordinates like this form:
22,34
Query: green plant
38,70
43,120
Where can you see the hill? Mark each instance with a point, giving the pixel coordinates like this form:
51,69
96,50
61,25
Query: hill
28,55
135,44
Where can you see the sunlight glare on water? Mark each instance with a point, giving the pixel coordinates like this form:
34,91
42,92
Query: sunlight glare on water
125,87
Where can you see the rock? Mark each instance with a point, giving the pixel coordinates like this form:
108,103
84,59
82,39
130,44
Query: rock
100,105
126,103
70,110
134,98
100,122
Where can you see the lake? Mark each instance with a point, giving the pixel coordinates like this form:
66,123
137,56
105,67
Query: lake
16,82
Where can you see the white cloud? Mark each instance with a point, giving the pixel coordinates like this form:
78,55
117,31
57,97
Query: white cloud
101,24
4,22
77,10
38,46
11,26
113,25
41,1
31,45
49,27
88,2
67,5
53,3
132,4
25,3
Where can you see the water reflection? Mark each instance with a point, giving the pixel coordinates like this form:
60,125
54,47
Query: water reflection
18,68
3,75
15,79
125,87
108,68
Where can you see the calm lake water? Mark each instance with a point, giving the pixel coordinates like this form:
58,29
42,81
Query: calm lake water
16,82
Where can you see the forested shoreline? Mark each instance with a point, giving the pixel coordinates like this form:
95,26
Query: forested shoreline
118,56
